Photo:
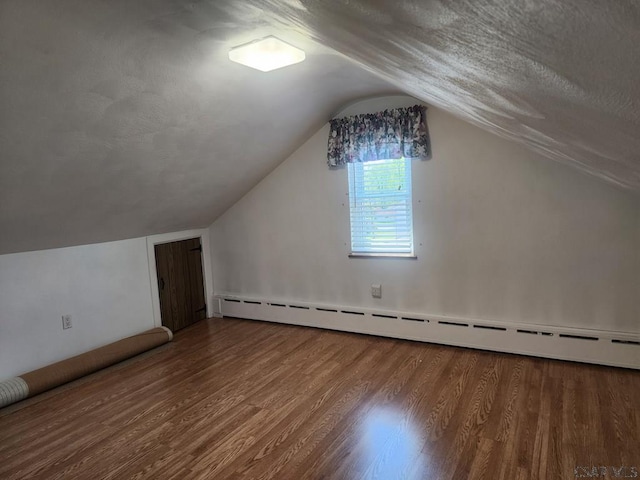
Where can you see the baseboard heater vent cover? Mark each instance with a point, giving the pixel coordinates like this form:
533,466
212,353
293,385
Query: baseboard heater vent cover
565,343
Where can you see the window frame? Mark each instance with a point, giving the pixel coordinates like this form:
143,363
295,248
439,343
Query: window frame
355,173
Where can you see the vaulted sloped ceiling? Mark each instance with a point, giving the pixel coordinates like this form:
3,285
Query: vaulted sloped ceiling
121,119
562,76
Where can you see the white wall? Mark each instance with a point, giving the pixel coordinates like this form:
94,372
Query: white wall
501,234
106,288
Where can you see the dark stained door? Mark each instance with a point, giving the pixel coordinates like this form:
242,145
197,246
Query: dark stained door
180,283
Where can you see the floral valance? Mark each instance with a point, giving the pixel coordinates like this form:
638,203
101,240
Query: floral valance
394,133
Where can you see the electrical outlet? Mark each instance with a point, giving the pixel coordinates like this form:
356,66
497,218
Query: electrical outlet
376,291
66,322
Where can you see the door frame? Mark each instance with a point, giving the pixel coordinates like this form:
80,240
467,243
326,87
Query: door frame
207,273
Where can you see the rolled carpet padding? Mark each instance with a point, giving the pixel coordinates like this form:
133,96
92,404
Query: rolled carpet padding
46,378
13,390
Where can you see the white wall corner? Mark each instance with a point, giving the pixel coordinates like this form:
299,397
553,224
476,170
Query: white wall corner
217,306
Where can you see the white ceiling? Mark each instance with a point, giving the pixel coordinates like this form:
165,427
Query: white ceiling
121,119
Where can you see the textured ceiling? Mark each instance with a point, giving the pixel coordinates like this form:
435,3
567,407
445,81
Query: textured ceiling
562,76
121,119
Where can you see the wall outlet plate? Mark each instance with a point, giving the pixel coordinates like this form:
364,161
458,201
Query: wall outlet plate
376,291
66,322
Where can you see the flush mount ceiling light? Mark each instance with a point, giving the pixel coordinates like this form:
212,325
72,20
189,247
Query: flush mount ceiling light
266,54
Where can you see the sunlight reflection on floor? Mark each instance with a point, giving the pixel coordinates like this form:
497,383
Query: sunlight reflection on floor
393,446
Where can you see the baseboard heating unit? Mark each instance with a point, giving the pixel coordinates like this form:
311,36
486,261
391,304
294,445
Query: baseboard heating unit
620,349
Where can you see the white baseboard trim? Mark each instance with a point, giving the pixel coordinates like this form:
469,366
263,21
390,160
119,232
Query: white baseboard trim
619,349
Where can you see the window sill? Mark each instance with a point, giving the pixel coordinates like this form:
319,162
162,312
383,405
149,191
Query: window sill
409,256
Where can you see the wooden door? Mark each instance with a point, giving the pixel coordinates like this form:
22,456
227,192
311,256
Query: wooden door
180,283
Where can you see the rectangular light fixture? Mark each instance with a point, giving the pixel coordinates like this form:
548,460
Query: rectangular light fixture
266,54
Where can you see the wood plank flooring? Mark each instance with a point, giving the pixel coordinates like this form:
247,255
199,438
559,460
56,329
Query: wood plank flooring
240,399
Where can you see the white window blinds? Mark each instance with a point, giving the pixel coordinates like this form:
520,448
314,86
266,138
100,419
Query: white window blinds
380,205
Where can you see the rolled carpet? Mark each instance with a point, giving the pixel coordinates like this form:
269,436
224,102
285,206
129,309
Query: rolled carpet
43,379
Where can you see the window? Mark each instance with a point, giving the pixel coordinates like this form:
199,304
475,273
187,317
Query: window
380,206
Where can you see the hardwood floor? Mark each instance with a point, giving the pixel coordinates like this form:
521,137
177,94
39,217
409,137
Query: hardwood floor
240,399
